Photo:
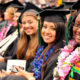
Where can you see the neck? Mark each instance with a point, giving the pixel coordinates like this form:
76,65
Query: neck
33,36
10,21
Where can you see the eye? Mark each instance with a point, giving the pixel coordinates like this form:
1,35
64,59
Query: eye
45,26
30,22
77,25
23,22
54,28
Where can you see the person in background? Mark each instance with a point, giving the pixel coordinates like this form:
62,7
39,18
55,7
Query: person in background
69,58
10,53
8,15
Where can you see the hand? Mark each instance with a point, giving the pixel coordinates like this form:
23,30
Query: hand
3,73
23,73
2,59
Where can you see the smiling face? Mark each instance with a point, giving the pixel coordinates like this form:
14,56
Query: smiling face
30,25
48,32
7,14
76,29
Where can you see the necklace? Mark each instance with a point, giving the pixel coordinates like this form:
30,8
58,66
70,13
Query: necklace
37,63
66,60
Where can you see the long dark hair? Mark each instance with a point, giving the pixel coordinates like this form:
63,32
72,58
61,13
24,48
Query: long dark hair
60,31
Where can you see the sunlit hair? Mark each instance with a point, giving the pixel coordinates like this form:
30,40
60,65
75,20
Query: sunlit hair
25,48
12,10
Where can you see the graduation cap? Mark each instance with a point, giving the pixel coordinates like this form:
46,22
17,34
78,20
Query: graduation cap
19,8
13,3
30,7
76,6
68,5
54,15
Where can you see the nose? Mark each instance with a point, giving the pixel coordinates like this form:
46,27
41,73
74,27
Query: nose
47,31
78,30
25,25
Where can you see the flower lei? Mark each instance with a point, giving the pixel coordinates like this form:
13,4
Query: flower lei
38,63
66,60
4,31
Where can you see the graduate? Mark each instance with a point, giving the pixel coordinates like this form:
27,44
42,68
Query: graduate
69,58
28,41
10,53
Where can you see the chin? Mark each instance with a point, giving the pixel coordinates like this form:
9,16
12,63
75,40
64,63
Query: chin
48,42
78,41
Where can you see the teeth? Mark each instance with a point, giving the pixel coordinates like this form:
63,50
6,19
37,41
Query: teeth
47,37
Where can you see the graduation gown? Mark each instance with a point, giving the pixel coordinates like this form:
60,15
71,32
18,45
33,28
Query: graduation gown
11,30
48,74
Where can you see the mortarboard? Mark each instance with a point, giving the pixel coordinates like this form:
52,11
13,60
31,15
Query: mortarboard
68,5
30,7
13,3
19,8
55,15
76,6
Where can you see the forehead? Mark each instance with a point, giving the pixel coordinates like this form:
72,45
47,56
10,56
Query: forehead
78,18
25,18
48,23
17,13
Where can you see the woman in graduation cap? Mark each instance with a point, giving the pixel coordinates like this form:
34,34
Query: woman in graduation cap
8,15
68,67
52,33
10,52
28,41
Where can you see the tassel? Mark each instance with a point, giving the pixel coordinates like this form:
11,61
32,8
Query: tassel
67,28
18,27
59,2
39,36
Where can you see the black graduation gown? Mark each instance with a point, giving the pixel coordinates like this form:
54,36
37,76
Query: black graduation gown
10,53
11,50
11,30
48,74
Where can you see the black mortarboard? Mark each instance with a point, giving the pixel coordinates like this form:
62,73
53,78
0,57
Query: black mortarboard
54,15
68,5
76,6
19,8
30,7
13,3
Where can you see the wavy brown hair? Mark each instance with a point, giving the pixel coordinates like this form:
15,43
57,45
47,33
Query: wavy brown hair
26,47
